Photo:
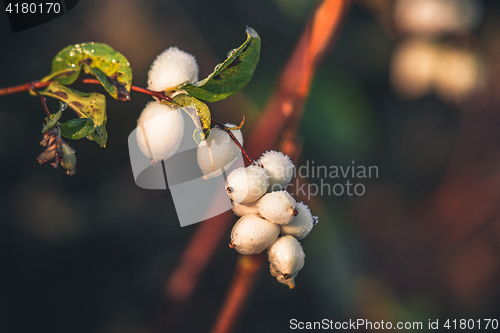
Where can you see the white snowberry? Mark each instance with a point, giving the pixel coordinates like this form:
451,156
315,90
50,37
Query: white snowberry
159,130
252,234
280,169
301,225
246,185
241,210
218,151
278,207
171,68
286,256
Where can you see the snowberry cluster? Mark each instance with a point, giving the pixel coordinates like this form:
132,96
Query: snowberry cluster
270,218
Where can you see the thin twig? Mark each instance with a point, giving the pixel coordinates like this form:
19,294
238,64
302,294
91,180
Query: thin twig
42,98
246,271
39,84
228,131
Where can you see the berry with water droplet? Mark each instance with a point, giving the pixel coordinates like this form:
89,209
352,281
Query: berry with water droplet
286,257
159,130
246,185
301,225
253,234
278,207
218,151
280,168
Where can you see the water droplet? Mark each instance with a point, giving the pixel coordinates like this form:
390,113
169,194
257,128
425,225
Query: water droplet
315,220
64,106
217,67
230,53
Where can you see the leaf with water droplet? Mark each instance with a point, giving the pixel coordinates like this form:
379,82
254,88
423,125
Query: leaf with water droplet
232,75
201,117
111,68
86,105
77,128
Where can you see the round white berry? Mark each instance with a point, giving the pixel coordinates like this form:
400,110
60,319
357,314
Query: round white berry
252,234
171,68
277,207
286,256
241,210
301,225
246,185
159,130
280,168
218,151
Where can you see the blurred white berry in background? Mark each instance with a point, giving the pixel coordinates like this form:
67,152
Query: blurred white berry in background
419,66
433,17
458,74
218,151
171,68
412,67
159,130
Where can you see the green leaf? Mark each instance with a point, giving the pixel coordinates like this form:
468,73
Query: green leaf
111,68
100,136
86,105
232,75
201,117
51,121
77,128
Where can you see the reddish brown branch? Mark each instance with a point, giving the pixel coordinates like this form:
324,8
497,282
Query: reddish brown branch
42,98
38,85
292,90
287,103
247,269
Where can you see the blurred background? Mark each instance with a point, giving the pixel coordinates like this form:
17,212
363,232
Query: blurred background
410,86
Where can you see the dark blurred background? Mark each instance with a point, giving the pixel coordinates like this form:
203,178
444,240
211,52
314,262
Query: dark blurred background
411,87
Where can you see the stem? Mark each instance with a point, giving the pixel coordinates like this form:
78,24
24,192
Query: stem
42,98
38,84
228,131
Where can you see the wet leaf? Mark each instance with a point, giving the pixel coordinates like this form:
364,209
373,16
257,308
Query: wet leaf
202,116
86,105
51,121
100,136
111,68
77,128
232,75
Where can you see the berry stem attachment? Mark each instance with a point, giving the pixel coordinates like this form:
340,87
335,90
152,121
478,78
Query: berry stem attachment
43,99
228,131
